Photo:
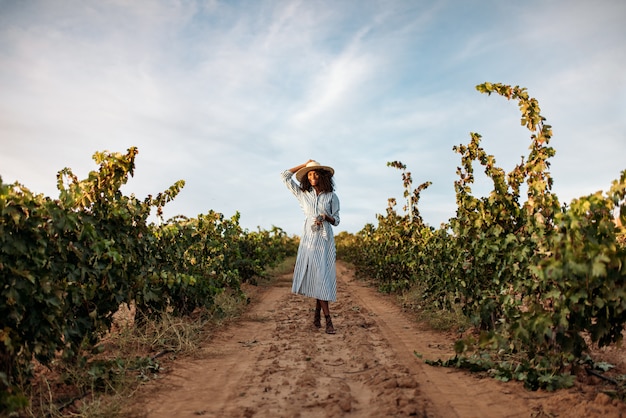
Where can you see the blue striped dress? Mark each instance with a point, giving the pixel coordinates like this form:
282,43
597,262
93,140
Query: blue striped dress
314,274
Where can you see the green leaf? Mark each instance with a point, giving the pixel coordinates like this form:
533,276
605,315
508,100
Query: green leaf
598,268
604,366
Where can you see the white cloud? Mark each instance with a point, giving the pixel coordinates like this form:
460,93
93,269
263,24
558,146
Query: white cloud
225,95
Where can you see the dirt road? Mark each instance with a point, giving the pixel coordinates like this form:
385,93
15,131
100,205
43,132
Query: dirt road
274,363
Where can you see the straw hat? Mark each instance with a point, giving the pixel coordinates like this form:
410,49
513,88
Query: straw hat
312,165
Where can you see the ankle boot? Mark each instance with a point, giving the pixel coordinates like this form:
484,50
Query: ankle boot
330,329
317,319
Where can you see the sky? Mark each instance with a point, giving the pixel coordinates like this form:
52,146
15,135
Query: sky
227,94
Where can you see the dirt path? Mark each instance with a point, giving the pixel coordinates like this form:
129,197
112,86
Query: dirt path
274,363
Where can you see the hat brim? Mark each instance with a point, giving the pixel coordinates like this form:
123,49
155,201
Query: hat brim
303,171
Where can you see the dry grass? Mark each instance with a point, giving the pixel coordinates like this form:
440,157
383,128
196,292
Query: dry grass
413,300
285,267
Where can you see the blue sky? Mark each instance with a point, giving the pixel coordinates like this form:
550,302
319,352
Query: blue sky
227,94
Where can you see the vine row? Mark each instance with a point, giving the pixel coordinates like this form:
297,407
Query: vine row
67,264
537,279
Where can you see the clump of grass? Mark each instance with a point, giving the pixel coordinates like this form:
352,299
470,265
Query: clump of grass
181,335
100,407
284,267
227,305
97,387
415,300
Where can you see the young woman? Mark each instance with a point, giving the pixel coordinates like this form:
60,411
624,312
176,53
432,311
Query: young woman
314,274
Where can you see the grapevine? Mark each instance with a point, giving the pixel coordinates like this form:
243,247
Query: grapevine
67,264
534,277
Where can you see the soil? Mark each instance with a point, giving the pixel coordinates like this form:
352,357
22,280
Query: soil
272,362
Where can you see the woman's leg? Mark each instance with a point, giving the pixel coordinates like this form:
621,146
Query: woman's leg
317,319
330,329
324,305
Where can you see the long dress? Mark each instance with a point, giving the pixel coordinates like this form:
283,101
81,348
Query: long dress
314,274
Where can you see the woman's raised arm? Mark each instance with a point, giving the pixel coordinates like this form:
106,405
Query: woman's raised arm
298,167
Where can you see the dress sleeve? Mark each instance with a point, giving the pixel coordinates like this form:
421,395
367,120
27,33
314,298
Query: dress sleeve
287,177
335,209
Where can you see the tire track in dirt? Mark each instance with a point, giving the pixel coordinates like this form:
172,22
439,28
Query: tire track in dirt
303,372
454,393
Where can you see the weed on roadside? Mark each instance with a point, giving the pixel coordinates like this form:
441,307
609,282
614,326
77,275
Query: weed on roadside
416,301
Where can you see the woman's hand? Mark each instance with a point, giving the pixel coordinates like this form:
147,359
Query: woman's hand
298,167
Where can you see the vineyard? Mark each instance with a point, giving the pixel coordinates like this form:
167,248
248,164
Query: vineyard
68,264
537,282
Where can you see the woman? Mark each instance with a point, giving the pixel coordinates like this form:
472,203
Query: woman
314,274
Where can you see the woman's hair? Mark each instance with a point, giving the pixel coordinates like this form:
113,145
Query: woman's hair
326,182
